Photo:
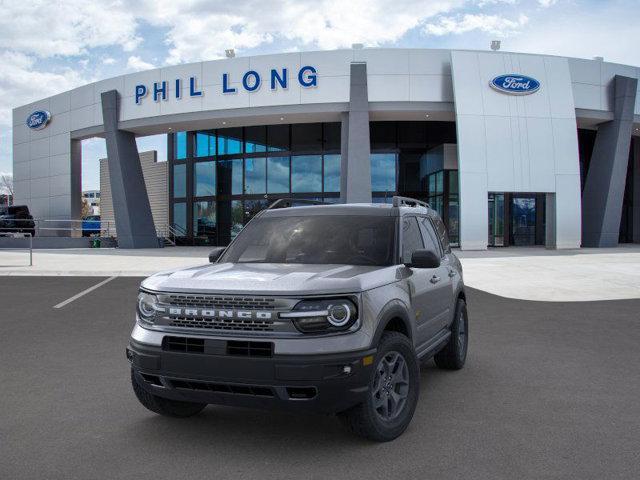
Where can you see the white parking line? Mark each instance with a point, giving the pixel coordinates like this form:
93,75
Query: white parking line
84,292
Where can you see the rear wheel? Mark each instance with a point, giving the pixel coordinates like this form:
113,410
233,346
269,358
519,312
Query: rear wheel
454,354
164,406
393,392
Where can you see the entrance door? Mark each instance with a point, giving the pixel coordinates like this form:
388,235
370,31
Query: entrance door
496,220
523,220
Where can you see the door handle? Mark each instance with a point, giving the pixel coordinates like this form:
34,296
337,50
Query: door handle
452,273
435,279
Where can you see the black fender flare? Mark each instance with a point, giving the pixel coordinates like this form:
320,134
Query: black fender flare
393,309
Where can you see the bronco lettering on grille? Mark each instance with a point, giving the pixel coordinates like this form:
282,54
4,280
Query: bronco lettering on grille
207,312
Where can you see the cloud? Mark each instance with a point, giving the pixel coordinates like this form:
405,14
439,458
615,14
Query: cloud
108,61
135,63
547,3
491,24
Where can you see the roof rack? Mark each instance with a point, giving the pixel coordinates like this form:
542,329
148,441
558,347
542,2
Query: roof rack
289,202
408,202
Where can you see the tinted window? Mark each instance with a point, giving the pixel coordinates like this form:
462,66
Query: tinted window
316,239
205,144
255,139
255,175
278,137
429,235
180,180
411,238
204,219
229,141
180,146
306,173
441,230
332,173
383,172
332,136
180,217
204,179
278,175
230,177
306,136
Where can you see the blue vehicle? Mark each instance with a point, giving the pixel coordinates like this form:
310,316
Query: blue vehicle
91,225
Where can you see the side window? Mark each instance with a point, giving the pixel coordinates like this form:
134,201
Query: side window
411,238
442,233
430,238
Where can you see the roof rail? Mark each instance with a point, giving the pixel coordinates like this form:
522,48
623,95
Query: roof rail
289,202
408,202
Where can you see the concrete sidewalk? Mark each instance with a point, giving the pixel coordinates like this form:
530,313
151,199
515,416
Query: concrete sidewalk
521,273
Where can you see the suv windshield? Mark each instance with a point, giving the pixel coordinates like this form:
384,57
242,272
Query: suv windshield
316,239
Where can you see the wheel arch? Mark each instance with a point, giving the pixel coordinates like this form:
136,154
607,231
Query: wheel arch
393,317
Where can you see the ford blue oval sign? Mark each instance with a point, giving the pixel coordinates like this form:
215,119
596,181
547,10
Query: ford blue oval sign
515,84
38,119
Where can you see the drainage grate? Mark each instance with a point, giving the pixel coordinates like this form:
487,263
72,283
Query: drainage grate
250,349
254,390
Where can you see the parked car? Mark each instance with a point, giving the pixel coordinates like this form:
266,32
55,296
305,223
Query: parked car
91,225
327,309
17,219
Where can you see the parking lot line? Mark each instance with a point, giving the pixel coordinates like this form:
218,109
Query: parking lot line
84,292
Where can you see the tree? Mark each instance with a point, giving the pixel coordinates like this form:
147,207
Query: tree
86,208
6,187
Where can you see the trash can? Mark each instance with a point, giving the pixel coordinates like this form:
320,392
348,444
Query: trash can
95,243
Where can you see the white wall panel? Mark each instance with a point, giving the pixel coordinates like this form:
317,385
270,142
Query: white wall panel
388,88
60,103
39,167
429,62
212,71
384,61
329,64
39,148
430,88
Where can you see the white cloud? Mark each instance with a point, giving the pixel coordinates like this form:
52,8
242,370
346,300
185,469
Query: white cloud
491,24
135,63
108,61
547,3
46,28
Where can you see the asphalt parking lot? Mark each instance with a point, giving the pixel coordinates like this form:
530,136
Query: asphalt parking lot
551,390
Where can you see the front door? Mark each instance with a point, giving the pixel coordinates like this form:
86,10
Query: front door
523,220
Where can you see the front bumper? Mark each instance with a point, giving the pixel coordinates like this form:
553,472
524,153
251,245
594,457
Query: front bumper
327,383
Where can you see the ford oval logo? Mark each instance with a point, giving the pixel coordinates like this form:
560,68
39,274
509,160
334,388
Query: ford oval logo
38,119
515,84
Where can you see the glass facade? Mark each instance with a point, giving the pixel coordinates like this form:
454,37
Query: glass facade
221,178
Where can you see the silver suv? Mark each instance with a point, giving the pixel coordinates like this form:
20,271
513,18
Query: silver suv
314,308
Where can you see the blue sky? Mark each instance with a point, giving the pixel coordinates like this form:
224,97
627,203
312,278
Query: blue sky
49,48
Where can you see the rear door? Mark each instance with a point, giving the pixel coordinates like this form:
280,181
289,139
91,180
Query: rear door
443,302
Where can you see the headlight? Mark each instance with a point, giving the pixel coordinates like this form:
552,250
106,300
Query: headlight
323,316
147,307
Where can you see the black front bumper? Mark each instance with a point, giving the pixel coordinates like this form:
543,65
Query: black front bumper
314,383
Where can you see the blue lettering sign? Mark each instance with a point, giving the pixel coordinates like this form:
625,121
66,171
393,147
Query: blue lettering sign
310,80
251,86
225,84
157,90
192,88
141,92
515,84
275,77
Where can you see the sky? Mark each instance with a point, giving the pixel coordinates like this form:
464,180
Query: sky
48,47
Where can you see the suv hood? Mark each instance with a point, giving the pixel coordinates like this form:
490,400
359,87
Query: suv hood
272,279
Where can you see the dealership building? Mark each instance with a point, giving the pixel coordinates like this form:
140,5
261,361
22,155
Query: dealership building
510,149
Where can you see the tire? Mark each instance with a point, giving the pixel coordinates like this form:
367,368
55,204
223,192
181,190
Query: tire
454,354
368,419
164,406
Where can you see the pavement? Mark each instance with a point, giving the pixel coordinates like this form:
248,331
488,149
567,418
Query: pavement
550,391
521,273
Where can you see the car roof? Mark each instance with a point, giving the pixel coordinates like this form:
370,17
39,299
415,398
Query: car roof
370,209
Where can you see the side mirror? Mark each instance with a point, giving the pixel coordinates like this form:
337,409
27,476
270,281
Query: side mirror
214,255
424,259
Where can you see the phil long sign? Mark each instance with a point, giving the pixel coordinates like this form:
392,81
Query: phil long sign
515,84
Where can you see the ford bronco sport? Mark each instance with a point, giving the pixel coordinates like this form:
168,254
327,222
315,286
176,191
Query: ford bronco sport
314,308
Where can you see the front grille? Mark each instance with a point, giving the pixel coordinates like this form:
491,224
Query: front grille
249,349
215,301
254,390
243,325
182,344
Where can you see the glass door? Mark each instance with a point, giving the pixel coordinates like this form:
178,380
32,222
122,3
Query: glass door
523,220
496,220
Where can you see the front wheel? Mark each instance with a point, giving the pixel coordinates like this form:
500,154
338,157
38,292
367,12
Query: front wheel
454,354
164,406
393,392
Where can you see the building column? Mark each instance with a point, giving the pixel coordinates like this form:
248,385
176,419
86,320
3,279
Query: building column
636,190
131,208
604,187
355,176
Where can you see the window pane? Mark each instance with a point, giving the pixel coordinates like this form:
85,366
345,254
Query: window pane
429,236
383,135
306,173
332,173
204,219
255,175
278,175
440,181
332,136
237,217
180,217
306,136
180,146
205,144
255,139
411,238
453,182
229,141
204,179
278,137
230,177
252,207
180,180
383,172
